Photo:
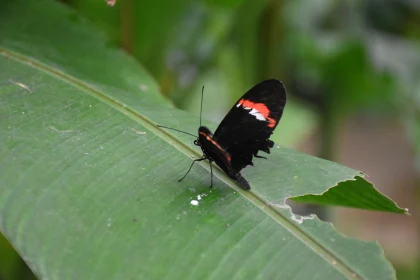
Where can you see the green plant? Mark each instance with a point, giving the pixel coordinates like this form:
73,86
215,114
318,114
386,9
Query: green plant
89,183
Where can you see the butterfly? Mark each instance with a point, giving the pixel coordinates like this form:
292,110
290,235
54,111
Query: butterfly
243,132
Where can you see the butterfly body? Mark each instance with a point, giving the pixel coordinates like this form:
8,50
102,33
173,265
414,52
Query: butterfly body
213,152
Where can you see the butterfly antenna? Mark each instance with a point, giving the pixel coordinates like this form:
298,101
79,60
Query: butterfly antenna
177,130
201,108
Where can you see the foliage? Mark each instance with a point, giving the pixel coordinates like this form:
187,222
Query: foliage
86,170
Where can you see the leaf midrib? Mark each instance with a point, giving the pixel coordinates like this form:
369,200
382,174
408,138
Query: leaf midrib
265,206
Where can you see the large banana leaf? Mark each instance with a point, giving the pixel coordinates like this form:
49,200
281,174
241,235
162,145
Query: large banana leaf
88,185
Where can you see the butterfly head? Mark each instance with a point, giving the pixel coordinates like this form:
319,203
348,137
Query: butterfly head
204,134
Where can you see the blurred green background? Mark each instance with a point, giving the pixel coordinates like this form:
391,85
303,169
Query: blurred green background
351,68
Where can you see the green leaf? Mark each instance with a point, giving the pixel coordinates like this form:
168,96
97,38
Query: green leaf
362,195
88,185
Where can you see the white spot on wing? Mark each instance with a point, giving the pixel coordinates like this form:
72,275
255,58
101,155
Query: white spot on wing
254,112
260,117
257,114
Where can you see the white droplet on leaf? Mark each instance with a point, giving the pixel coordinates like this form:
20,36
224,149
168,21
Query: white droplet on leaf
194,202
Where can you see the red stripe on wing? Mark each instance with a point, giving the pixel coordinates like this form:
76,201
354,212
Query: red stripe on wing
226,154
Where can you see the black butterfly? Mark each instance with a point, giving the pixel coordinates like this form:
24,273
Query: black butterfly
244,131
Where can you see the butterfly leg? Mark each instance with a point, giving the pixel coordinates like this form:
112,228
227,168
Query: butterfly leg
189,169
257,156
211,175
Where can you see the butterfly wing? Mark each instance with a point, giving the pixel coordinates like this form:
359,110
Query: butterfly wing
247,127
